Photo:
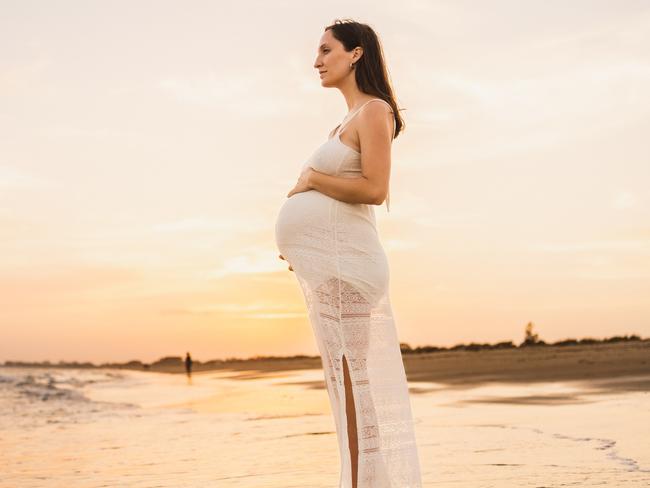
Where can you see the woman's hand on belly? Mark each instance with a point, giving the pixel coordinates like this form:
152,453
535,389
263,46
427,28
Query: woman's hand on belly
282,257
303,183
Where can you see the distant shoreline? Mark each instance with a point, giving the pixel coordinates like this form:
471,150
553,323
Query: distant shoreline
460,365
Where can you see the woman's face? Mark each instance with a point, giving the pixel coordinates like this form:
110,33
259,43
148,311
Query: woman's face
332,60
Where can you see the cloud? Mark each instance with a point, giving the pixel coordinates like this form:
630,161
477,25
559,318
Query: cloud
19,77
401,244
209,89
72,280
259,310
624,200
68,131
258,260
16,178
577,91
243,93
548,88
420,211
276,316
614,275
567,247
200,224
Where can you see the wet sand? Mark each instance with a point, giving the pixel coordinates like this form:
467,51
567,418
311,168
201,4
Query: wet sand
254,429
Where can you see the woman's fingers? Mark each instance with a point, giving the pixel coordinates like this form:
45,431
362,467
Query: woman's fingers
282,257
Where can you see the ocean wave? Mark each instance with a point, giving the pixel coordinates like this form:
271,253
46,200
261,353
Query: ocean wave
33,397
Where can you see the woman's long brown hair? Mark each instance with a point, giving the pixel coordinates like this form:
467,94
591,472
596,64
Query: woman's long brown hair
371,73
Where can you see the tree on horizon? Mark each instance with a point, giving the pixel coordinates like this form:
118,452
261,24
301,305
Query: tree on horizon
530,337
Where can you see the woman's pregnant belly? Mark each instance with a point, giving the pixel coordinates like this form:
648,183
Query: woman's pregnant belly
320,237
303,220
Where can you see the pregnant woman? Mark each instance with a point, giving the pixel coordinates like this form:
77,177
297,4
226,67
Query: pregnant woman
326,231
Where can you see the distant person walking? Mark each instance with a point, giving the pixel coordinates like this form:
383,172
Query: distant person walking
188,364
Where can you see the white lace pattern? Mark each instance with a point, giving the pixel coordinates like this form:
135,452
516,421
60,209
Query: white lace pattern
335,252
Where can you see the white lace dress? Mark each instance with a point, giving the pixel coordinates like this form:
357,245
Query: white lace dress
335,252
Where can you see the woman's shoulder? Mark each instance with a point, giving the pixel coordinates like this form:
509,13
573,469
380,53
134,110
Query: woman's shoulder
377,105
377,116
377,111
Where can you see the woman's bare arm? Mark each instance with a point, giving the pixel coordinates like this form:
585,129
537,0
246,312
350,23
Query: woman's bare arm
375,133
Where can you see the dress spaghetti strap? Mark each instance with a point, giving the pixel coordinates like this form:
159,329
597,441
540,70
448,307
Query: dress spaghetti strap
346,122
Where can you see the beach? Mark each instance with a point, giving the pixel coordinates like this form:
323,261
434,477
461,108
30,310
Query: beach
529,364
539,416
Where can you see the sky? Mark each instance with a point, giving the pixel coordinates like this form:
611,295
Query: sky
147,147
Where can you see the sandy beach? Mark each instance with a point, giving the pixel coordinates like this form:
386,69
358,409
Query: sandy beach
601,361
551,417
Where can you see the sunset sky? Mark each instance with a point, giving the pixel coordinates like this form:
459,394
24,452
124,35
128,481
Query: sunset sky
146,148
